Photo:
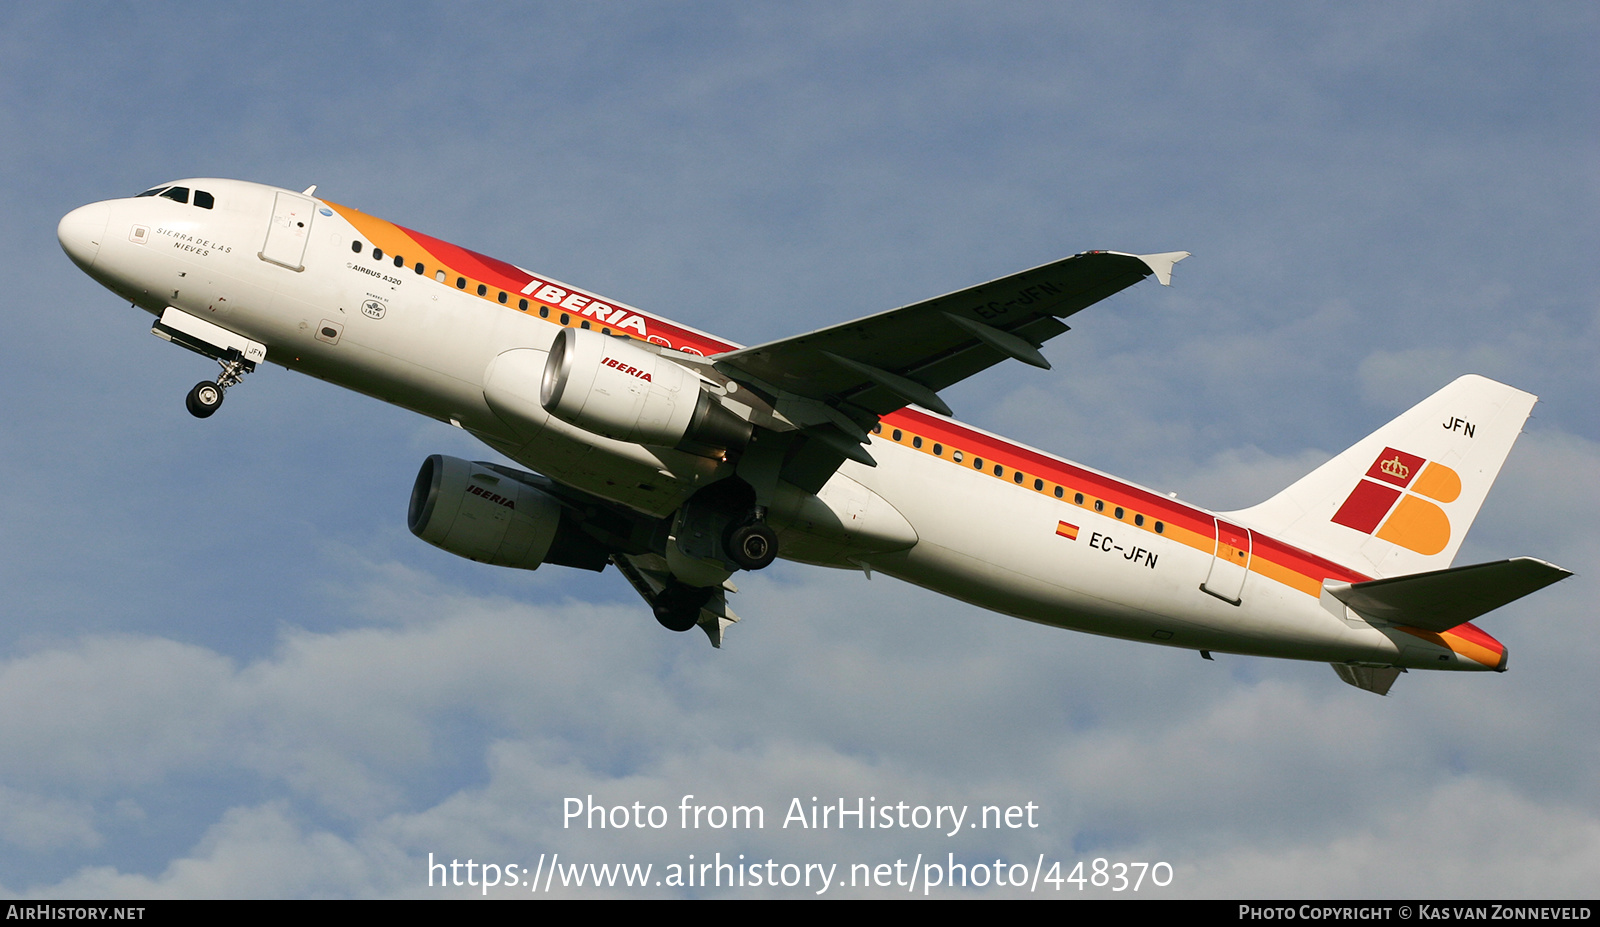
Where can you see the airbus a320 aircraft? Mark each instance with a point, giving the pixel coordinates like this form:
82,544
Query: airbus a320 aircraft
682,459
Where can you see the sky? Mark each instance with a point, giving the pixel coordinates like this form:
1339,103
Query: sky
228,670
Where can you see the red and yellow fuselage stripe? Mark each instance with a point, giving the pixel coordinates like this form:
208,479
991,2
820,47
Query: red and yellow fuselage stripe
496,281
1143,510
412,252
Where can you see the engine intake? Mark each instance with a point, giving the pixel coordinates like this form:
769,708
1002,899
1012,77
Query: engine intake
482,514
610,386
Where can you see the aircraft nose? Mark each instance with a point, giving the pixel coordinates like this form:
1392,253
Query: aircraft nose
80,232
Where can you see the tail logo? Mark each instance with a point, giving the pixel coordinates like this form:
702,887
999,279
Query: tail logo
1389,504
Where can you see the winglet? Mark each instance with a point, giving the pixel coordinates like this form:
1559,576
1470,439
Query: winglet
1161,264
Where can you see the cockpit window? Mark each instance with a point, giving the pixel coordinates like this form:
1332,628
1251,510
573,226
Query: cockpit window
181,195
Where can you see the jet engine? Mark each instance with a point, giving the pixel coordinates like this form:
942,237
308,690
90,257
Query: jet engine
611,386
487,515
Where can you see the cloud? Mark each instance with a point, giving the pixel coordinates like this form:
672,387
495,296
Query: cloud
463,729
1438,843
38,824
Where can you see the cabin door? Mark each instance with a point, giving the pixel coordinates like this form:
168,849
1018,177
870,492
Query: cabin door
1230,563
289,231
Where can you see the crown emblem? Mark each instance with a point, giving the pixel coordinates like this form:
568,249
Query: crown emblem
1395,468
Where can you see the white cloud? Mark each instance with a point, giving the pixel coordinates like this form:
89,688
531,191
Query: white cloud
110,710
37,824
1464,838
461,734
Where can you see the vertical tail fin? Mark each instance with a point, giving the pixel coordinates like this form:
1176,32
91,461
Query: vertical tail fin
1401,500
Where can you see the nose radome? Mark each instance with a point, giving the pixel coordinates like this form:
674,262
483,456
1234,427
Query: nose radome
80,233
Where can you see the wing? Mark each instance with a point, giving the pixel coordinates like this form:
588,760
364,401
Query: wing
834,383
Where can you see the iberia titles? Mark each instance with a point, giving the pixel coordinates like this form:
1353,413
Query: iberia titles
553,295
630,371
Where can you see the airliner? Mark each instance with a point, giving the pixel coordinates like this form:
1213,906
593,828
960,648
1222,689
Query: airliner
682,459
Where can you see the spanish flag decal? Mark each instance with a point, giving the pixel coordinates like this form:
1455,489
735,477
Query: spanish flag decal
1070,532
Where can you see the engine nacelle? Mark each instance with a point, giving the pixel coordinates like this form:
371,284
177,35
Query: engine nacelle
610,386
484,515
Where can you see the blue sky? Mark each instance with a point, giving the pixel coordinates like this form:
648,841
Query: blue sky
226,668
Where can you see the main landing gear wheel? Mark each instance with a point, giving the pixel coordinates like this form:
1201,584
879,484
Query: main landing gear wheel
753,546
204,399
678,606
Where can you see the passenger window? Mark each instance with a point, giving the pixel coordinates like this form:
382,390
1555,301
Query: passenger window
1160,527
877,429
502,297
438,275
419,269
896,434
1077,498
956,456
584,324
377,254
1060,492
522,304
1016,477
1118,512
544,312
1038,485
399,261
938,450
483,290
176,194
461,283
916,442
1138,520
999,470
1099,505
204,200
977,463
355,246
565,318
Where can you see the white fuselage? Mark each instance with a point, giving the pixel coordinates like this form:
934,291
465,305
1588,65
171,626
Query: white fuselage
1017,542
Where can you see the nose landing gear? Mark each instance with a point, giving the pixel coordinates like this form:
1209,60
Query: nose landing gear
206,397
237,354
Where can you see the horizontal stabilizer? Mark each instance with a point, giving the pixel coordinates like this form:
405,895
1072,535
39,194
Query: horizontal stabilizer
1442,599
1371,678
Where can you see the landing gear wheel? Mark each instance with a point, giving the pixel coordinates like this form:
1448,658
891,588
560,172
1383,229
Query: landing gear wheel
204,399
753,546
678,606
